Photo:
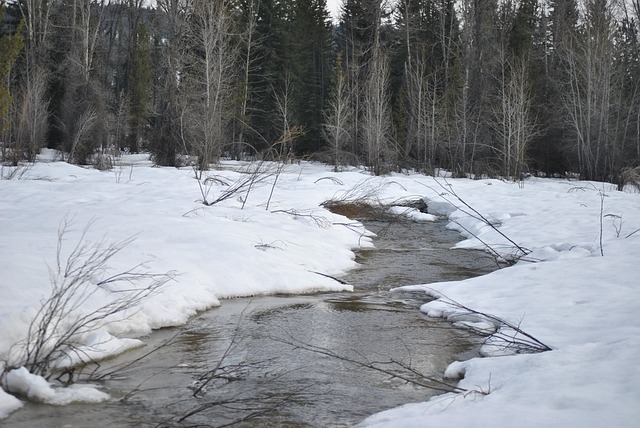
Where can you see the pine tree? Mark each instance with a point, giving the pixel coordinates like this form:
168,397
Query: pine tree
523,28
558,29
628,62
272,68
10,47
479,65
140,88
310,45
168,131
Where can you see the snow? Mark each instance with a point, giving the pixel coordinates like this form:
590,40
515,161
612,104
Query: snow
8,404
413,214
582,305
564,292
36,388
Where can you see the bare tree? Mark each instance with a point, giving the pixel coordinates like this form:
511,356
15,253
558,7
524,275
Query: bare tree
80,134
37,21
636,14
428,32
591,90
32,120
463,141
514,124
87,22
376,120
212,77
337,117
424,110
284,104
359,25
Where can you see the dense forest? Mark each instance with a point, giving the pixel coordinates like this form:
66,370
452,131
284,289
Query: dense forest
491,87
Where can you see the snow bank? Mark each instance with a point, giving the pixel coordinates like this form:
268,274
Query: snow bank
36,388
8,404
413,214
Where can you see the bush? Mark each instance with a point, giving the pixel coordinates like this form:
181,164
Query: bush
57,332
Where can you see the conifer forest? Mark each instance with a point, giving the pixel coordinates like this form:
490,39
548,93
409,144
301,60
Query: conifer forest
499,88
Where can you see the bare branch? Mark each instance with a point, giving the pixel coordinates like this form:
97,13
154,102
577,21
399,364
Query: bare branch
508,336
474,213
393,368
56,333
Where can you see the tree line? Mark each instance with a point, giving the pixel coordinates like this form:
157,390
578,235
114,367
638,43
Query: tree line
493,87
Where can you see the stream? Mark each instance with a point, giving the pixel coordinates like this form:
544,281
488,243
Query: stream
295,361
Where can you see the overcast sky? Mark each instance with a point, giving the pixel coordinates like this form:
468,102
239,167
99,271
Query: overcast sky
334,8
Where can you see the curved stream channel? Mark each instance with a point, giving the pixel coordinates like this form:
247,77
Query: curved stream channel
270,378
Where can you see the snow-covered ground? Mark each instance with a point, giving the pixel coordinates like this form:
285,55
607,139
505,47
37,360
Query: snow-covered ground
566,294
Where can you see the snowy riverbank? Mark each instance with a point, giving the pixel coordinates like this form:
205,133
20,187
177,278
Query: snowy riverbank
573,299
581,304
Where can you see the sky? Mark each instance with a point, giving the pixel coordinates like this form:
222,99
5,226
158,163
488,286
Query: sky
576,290
334,7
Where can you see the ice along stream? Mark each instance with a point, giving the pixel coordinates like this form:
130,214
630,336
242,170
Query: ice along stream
247,363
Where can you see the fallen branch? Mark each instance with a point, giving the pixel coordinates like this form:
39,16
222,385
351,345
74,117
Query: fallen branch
392,368
508,337
330,277
520,251
320,221
333,179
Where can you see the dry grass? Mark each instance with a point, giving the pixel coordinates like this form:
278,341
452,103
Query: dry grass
354,211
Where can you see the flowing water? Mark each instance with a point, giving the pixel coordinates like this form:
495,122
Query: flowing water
296,361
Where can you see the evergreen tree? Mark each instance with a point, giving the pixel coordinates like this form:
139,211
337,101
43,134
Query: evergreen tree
471,137
272,69
311,50
444,87
10,47
140,88
628,62
549,149
168,131
523,28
